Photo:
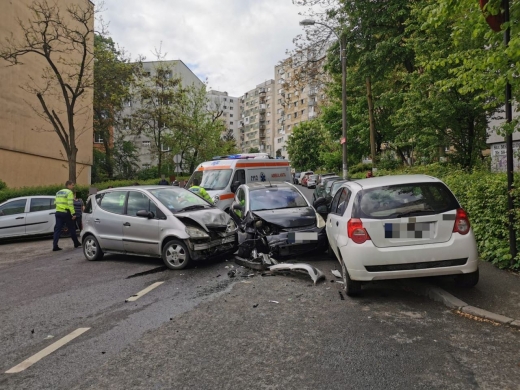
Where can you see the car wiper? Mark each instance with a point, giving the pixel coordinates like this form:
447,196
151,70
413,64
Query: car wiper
410,213
193,207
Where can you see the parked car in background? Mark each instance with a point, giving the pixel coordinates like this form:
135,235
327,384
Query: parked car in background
324,175
157,221
400,227
296,177
311,181
284,212
320,188
27,216
304,180
303,175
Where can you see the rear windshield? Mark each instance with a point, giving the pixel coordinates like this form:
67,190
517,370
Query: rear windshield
313,177
404,200
273,198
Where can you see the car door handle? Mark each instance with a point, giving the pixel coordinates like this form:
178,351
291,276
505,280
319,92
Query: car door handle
52,213
127,224
97,220
19,217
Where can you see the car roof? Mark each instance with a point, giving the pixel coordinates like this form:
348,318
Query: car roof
133,188
382,181
274,184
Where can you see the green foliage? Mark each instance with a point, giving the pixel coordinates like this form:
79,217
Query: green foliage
305,145
388,161
361,167
148,173
3,185
254,150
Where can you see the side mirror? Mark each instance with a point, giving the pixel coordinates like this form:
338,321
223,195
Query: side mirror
322,209
145,214
319,202
234,186
237,206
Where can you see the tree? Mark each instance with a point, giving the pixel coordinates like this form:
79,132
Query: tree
126,159
63,39
304,145
113,76
158,96
254,150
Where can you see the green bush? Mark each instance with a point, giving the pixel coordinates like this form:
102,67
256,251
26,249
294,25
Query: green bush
9,193
3,186
361,167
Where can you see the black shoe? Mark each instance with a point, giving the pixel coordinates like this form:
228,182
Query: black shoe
77,245
56,249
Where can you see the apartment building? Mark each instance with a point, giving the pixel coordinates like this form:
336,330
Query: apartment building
257,118
296,100
31,152
229,107
147,157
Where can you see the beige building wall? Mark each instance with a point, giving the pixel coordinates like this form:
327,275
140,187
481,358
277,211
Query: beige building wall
30,151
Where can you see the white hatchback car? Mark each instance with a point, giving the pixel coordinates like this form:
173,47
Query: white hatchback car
399,227
27,216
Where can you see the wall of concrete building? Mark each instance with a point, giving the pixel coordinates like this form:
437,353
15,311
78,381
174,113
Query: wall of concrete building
30,151
230,105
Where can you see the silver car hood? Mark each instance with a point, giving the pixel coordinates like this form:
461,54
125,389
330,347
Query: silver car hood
206,218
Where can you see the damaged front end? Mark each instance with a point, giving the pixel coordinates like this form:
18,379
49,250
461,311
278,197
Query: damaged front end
212,234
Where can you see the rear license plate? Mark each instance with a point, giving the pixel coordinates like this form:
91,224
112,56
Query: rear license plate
301,237
409,230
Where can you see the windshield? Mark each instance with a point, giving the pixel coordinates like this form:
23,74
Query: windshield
404,201
313,177
335,186
215,179
179,199
276,198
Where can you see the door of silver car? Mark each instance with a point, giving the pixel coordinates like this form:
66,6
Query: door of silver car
107,220
141,235
40,218
12,218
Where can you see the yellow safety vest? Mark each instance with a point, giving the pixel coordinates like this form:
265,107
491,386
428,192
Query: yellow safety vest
65,201
201,192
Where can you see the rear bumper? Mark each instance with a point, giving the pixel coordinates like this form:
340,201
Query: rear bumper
367,262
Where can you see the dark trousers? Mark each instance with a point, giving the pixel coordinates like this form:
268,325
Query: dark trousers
79,223
64,219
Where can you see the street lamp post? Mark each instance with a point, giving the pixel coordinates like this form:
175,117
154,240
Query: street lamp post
343,56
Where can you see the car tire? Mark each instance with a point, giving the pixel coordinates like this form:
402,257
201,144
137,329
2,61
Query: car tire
91,248
352,287
175,255
467,280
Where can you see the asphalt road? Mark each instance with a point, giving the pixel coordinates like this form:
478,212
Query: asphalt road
200,329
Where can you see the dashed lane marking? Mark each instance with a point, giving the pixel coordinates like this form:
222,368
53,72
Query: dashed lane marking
47,351
145,291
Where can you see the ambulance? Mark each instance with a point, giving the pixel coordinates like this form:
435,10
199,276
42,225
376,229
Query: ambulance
222,176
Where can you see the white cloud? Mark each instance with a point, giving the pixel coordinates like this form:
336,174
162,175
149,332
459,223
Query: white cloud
234,43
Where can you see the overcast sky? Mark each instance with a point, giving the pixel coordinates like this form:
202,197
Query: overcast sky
235,44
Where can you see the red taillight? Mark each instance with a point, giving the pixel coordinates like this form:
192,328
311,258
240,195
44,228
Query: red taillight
356,231
461,222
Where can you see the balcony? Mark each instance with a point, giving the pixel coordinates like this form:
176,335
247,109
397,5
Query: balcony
312,115
312,92
262,91
312,102
261,126
262,134
261,118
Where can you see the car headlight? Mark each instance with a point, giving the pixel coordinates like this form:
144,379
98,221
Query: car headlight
320,222
194,232
231,226
216,199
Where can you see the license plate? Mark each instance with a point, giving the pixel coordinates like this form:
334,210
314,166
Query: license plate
301,237
409,230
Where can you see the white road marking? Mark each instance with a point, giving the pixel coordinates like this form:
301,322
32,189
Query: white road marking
47,351
145,291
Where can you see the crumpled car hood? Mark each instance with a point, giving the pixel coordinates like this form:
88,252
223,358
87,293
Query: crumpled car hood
289,218
206,218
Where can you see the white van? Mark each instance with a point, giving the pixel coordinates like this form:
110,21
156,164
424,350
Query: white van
303,175
221,178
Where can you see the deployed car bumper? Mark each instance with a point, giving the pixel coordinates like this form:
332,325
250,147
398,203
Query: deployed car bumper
367,262
284,244
206,249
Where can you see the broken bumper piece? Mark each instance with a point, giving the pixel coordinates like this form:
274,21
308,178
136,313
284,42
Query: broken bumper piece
313,272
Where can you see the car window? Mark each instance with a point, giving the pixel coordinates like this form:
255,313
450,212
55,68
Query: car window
178,199
88,207
343,201
14,207
138,201
404,200
273,198
114,202
41,204
335,202
240,176
241,196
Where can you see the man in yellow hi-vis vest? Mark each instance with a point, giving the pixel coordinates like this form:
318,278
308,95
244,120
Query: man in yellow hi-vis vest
65,215
200,191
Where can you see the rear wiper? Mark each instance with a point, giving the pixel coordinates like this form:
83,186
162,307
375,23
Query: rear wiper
193,207
410,213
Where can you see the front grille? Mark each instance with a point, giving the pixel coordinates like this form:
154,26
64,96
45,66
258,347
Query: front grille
412,266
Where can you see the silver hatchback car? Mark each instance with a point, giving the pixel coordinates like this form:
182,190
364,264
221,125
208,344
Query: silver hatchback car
157,221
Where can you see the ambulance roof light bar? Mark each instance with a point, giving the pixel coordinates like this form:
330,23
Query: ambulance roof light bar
243,156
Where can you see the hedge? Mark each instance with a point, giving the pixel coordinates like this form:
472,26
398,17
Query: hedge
9,193
484,197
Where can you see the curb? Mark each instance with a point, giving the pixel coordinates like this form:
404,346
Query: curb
439,295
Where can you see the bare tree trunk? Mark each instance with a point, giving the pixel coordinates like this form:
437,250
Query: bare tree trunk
371,120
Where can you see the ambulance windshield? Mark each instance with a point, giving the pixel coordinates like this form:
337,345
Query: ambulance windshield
214,179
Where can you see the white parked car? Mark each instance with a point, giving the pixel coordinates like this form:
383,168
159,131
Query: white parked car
28,215
399,227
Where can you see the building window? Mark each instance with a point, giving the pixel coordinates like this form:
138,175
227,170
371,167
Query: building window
231,100
280,140
303,111
301,101
279,101
225,99
97,138
128,103
231,123
147,144
296,115
127,123
165,148
231,107
231,115
146,166
225,107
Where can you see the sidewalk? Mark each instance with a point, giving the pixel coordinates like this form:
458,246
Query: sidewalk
497,291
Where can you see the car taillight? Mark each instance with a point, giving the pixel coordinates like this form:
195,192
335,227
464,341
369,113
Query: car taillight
461,222
356,231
